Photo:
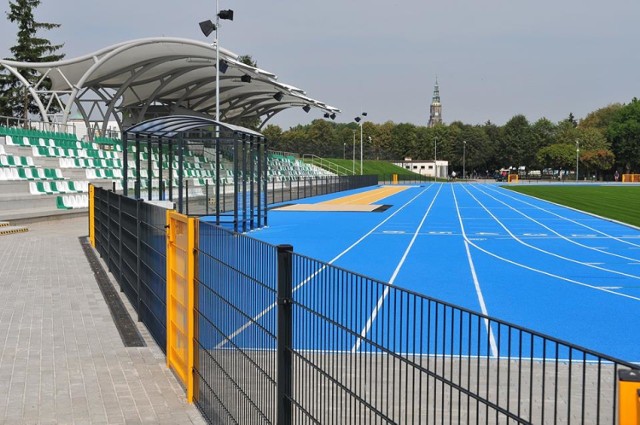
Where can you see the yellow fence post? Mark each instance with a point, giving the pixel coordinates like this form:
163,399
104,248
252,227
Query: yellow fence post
628,397
92,221
181,297
191,308
170,258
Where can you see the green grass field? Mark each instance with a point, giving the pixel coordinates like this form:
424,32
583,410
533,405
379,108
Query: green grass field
620,203
382,169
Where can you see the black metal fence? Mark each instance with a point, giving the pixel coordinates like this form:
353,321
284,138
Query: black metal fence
130,237
305,187
284,338
200,200
236,367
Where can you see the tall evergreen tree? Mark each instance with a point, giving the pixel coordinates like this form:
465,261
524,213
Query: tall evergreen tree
14,98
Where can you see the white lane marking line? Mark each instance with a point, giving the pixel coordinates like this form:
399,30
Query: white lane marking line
580,235
610,287
476,282
378,306
304,282
592,217
483,307
524,266
553,254
393,232
440,233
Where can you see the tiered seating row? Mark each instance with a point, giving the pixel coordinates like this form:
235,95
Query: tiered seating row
35,141
90,163
31,173
58,187
116,144
55,152
156,165
284,168
103,174
16,161
68,202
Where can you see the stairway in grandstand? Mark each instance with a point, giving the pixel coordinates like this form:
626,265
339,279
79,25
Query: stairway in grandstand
7,229
46,174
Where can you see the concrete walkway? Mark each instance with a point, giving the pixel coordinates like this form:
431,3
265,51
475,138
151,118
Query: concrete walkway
62,360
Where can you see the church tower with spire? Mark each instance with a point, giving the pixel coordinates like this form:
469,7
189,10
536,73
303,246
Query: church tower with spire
435,112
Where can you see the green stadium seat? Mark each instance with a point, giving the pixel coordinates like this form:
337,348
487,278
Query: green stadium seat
60,204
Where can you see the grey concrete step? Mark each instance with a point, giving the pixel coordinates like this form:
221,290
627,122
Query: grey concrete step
22,216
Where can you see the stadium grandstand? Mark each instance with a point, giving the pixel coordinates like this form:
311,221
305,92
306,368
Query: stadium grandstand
46,167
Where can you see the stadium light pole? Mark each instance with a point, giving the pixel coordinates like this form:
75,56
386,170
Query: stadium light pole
358,119
207,27
353,152
464,155
577,158
435,159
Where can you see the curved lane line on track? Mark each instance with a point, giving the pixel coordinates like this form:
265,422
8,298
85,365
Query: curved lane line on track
305,281
570,220
476,282
524,266
557,233
552,254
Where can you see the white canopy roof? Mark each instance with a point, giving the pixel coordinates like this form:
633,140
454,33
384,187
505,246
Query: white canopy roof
133,79
169,126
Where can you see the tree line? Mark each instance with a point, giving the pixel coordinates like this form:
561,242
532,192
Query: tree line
604,141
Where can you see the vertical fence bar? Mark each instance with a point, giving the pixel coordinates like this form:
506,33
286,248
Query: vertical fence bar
92,216
121,279
108,247
285,334
138,254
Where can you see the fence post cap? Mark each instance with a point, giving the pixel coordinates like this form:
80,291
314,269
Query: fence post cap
629,375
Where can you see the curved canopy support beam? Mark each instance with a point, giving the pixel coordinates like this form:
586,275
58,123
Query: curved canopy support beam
176,72
29,87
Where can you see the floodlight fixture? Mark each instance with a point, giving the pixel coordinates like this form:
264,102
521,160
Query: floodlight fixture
306,108
364,114
223,66
278,96
333,116
207,27
326,115
246,78
357,119
226,14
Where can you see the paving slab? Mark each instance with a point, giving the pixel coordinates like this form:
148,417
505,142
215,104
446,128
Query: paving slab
62,359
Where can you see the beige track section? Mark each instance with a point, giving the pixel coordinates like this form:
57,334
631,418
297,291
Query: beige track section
360,202
366,198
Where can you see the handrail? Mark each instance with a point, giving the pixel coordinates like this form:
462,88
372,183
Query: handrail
327,165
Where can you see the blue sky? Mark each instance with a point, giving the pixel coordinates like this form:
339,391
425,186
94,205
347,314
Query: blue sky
493,58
